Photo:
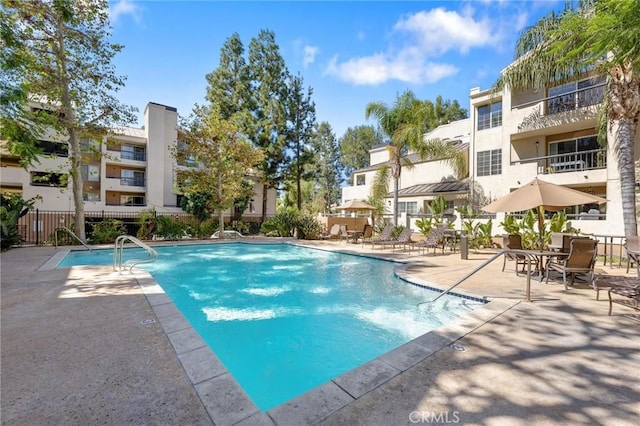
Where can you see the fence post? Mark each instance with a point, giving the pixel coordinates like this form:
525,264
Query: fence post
37,227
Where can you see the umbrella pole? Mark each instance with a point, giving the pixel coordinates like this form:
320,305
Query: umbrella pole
540,225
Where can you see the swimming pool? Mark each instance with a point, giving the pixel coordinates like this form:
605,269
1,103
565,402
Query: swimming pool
285,319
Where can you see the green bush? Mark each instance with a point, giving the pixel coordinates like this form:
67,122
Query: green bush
208,227
169,229
12,208
282,224
107,231
308,228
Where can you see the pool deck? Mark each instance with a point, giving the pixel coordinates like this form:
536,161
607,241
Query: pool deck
87,345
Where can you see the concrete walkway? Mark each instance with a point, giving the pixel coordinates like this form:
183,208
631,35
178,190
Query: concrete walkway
86,346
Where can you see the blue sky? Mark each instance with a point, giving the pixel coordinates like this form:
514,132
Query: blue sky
350,53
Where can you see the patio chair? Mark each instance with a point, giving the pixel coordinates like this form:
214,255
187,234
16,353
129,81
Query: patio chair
344,235
514,242
632,248
581,260
403,240
434,240
333,234
385,235
367,233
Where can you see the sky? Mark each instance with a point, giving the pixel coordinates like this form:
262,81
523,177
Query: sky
349,53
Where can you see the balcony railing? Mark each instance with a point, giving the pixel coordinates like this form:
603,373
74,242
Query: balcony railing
575,161
576,99
126,181
565,102
136,156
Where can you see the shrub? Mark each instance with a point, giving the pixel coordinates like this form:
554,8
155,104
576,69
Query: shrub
308,228
12,208
282,224
107,231
169,229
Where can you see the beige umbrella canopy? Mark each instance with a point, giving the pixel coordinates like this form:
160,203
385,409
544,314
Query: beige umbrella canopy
355,206
540,194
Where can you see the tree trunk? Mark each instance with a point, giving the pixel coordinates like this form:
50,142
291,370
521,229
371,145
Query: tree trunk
265,189
221,210
625,149
75,156
395,200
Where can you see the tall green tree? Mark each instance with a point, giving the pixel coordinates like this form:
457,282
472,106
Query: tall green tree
301,118
602,37
268,129
405,123
329,169
229,85
58,54
447,111
355,145
224,157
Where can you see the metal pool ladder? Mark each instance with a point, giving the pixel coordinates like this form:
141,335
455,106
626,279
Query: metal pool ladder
118,248
70,232
504,252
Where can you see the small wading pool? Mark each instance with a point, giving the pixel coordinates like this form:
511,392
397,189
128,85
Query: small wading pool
284,319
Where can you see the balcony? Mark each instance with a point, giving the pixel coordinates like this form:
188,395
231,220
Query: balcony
572,162
117,183
573,106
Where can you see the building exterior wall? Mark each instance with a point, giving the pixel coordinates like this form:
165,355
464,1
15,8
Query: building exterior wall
110,181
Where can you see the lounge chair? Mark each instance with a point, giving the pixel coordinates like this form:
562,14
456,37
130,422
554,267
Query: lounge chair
434,240
333,234
581,260
385,235
403,240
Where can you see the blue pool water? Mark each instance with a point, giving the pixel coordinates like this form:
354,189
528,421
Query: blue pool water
284,319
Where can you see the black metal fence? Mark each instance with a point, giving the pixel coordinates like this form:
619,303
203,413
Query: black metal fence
39,226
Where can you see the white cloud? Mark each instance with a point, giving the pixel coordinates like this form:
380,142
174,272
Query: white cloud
310,53
438,31
430,34
123,8
379,68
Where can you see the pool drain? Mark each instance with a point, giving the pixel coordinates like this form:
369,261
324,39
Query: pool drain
458,347
147,321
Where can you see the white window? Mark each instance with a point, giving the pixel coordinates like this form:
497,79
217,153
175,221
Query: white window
409,207
490,115
489,162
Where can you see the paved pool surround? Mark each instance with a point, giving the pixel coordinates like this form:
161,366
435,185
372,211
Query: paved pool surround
121,352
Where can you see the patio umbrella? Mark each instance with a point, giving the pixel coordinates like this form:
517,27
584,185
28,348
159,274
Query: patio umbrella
355,206
540,194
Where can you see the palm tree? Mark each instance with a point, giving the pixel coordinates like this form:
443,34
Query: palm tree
599,36
405,124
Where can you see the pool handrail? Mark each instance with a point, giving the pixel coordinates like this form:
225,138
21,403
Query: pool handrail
119,244
70,232
529,256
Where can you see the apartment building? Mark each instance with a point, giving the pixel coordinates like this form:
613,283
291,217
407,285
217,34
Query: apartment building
133,170
513,137
550,134
422,183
